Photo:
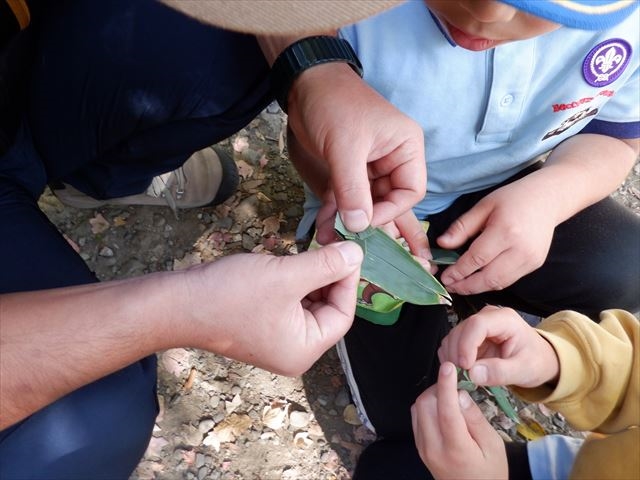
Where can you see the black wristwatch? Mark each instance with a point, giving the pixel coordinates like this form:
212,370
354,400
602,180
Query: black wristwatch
306,53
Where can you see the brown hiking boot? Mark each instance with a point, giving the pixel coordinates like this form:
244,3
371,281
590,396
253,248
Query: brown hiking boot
208,177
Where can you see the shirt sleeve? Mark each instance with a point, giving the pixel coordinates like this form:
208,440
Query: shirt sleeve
599,383
552,456
620,116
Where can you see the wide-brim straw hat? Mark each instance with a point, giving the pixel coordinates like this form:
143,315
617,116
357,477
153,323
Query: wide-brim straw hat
281,17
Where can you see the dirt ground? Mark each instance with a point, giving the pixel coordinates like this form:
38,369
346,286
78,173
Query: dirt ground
221,419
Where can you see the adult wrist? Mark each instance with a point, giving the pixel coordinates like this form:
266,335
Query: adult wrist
307,53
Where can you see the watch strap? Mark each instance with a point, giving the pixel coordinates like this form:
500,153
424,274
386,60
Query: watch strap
306,53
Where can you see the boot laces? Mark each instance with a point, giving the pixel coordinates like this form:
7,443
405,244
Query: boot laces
161,187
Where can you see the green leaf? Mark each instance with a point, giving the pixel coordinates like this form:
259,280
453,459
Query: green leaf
392,268
467,385
503,402
499,393
443,257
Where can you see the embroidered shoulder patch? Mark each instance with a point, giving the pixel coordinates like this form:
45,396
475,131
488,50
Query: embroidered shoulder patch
606,62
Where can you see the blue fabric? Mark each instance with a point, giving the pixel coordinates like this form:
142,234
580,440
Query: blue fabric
583,14
97,432
502,107
125,90
551,457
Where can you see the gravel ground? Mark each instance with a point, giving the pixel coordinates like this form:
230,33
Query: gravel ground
221,419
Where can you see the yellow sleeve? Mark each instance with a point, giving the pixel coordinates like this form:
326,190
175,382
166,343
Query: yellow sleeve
599,384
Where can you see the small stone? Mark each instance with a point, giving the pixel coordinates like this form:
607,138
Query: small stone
205,425
203,472
299,419
191,435
106,252
159,220
350,415
218,417
342,398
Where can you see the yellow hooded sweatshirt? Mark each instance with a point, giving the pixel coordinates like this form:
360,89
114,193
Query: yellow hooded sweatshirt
598,389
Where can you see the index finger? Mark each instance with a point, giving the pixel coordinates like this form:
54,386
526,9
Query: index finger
483,250
404,176
488,325
412,231
452,423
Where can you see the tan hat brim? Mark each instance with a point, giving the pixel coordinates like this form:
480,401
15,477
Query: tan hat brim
280,17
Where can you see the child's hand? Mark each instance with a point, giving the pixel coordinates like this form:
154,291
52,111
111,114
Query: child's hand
453,438
514,227
408,227
498,347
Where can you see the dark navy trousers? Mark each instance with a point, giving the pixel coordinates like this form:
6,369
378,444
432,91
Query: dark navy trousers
118,92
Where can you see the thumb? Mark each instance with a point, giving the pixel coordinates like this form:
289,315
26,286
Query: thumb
327,264
477,425
336,267
495,371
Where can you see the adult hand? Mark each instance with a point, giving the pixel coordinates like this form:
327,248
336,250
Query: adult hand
406,226
499,348
452,436
514,227
374,153
278,313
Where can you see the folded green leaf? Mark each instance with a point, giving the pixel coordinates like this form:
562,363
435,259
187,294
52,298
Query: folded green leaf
499,393
503,402
464,382
443,257
392,268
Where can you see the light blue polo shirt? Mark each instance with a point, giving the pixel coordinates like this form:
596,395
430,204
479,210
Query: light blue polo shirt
487,115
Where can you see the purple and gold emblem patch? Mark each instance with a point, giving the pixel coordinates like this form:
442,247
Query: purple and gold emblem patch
606,62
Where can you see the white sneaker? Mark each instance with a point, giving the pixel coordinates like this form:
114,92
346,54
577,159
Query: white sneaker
208,177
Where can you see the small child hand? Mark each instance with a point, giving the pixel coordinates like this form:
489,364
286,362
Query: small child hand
452,436
498,347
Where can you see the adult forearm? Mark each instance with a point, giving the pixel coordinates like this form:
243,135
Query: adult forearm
582,171
55,341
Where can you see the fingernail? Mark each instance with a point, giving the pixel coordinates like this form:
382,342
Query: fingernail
351,252
464,399
425,253
446,368
355,220
479,374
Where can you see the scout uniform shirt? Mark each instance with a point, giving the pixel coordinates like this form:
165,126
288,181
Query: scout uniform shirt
487,115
